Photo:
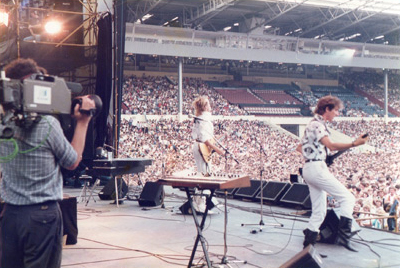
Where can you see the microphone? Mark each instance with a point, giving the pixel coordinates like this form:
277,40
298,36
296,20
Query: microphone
100,153
108,146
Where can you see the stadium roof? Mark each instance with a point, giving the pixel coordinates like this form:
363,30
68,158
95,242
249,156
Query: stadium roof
376,21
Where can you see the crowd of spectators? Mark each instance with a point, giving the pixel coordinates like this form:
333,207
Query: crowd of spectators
371,176
373,84
351,104
258,146
169,141
158,96
384,136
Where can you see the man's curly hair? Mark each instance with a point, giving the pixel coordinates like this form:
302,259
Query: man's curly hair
20,68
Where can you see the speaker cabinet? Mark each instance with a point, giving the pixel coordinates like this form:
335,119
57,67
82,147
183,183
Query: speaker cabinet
152,195
249,192
307,258
186,209
294,178
298,194
108,192
273,191
329,227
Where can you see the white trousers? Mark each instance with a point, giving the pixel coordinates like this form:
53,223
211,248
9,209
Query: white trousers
199,200
320,181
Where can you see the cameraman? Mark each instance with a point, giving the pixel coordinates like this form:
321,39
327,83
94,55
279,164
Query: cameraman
31,222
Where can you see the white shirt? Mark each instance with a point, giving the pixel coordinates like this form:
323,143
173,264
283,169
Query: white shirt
203,128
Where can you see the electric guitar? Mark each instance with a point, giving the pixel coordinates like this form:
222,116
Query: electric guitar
329,158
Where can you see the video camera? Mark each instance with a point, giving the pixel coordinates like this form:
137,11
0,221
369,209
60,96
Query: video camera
23,101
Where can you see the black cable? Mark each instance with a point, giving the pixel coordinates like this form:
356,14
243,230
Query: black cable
378,244
141,217
373,251
161,257
284,215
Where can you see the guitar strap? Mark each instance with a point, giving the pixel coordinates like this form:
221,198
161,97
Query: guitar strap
197,119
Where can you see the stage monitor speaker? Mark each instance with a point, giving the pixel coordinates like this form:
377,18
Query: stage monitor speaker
108,191
297,195
307,258
249,192
230,192
329,227
294,178
307,203
152,195
273,191
186,209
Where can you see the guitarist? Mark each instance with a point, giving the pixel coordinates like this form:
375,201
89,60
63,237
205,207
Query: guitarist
313,147
203,135
203,146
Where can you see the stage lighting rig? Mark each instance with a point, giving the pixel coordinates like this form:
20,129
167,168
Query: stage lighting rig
53,26
52,22
3,17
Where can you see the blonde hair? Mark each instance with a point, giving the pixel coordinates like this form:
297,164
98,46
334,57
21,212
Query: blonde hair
200,104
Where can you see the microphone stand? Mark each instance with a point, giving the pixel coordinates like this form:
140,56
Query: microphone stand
261,223
224,259
226,155
118,190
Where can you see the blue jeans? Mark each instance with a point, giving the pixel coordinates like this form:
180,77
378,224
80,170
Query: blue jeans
392,222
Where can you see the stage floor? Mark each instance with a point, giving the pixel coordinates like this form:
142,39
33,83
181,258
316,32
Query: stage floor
134,236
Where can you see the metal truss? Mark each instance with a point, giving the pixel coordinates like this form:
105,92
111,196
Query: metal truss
282,7
353,17
137,11
88,25
328,16
197,16
357,17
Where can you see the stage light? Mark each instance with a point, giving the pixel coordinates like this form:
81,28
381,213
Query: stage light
3,18
53,27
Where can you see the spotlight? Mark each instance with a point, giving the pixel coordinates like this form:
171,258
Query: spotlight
53,27
3,18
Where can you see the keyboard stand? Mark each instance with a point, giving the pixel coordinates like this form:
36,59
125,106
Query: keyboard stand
199,227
